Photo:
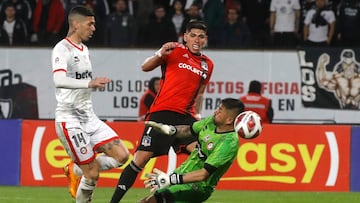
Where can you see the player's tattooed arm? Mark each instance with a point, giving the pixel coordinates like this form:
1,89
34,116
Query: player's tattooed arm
178,131
183,131
108,146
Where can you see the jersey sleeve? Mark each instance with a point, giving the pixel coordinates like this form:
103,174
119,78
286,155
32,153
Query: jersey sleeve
62,81
59,58
309,16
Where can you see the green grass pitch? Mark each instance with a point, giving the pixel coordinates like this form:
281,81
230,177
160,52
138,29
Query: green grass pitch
10,194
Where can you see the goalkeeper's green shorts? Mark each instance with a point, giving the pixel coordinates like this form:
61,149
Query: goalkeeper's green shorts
185,193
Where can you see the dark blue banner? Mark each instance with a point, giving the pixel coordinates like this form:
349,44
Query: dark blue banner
10,142
330,77
355,159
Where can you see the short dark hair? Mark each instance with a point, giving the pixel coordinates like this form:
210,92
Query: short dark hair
196,24
81,10
233,104
9,4
255,86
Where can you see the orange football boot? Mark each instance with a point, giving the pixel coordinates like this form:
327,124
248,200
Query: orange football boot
74,180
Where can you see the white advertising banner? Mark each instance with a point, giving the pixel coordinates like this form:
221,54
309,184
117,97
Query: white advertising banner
279,71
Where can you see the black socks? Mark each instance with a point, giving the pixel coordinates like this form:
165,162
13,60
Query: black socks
126,180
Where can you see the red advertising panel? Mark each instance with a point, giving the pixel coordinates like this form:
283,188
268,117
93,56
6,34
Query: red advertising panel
293,157
43,157
283,157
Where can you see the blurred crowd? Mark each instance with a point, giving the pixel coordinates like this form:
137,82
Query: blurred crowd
149,23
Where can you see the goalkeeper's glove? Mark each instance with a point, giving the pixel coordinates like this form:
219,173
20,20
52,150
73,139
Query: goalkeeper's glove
159,180
162,128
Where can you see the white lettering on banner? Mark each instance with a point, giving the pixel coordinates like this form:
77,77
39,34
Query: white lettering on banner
308,91
278,71
334,161
35,153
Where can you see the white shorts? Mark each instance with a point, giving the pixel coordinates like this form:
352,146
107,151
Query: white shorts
81,140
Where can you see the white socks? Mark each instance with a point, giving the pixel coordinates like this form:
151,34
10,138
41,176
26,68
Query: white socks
85,190
107,162
77,170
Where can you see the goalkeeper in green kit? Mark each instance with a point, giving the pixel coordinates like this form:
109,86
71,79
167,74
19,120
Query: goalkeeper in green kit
195,179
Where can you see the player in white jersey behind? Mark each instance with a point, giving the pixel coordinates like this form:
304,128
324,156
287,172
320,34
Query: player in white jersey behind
81,132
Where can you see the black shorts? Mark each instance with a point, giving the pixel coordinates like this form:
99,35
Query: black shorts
160,144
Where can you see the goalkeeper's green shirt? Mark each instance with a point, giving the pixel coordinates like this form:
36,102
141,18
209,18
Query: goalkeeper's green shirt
217,149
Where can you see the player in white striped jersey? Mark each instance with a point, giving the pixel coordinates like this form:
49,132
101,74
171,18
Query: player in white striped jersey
81,132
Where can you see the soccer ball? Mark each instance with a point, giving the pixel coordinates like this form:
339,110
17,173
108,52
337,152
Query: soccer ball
248,125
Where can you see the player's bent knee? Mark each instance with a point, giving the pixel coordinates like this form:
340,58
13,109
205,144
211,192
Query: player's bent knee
92,173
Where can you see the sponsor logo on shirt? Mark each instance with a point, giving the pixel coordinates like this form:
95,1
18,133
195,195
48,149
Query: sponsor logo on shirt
83,75
201,73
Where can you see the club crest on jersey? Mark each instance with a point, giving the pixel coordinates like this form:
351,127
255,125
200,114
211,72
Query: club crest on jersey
204,65
205,69
83,150
146,141
210,146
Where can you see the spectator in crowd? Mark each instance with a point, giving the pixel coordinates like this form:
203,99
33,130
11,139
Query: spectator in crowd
256,14
319,25
193,13
148,97
159,29
23,9
189,3
348,23
254,101
236,4
305,6
214,16
236,34
142,10
177,16
48,22
121,28
13,29
284,22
